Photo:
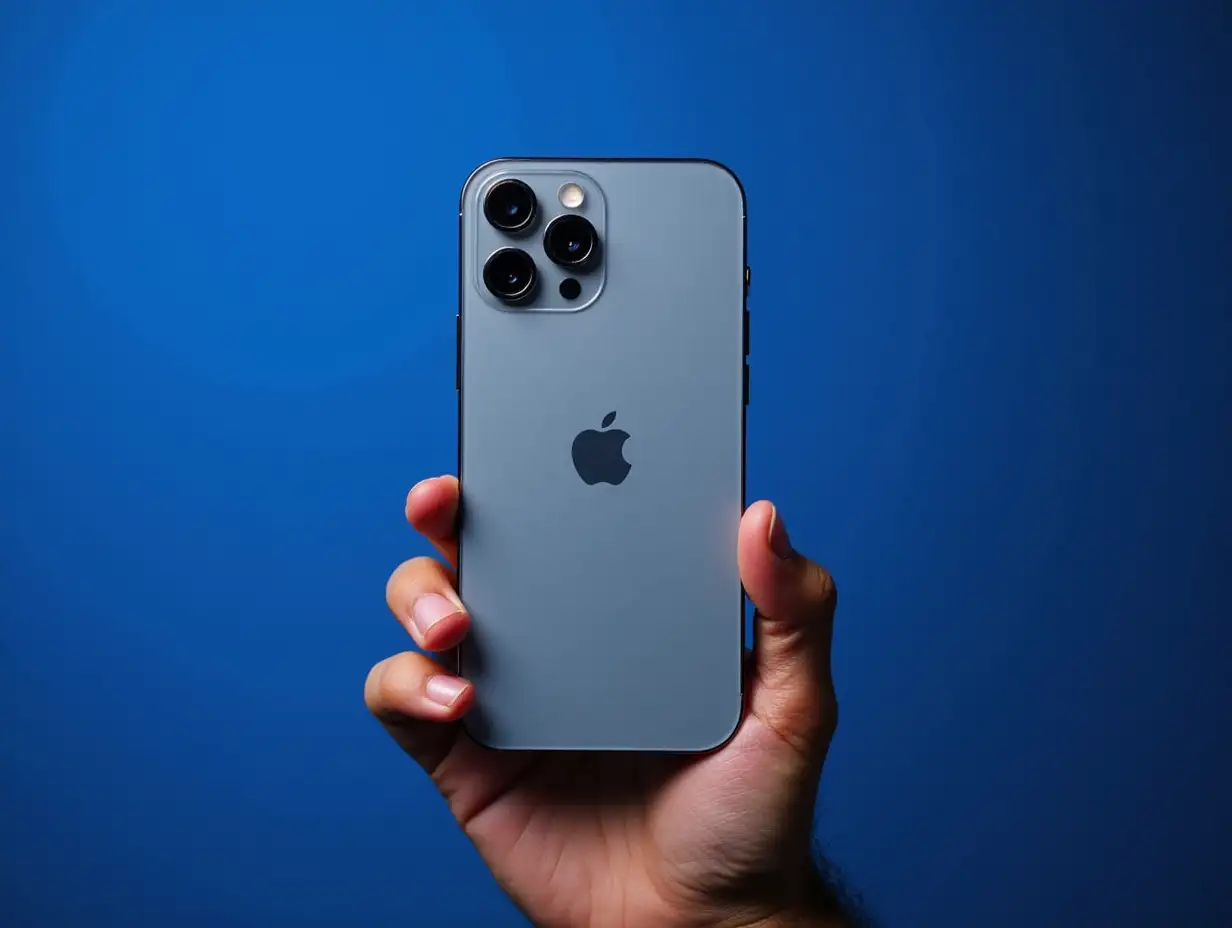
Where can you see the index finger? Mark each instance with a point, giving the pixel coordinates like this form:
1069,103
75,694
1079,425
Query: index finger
432,508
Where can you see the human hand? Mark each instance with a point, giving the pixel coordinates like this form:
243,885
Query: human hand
633,840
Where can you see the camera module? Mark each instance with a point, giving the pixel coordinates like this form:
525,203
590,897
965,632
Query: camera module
572,242
510,206
511,276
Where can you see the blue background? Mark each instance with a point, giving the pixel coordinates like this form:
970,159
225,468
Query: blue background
991,348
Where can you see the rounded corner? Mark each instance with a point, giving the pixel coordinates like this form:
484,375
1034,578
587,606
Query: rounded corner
727,737
735,179
469,731
728,733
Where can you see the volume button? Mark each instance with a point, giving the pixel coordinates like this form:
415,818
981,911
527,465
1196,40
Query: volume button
746,331
746,383
457,342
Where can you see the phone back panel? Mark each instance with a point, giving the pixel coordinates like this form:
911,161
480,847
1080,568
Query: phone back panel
606,616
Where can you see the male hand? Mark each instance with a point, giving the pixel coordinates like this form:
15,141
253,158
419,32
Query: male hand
633,840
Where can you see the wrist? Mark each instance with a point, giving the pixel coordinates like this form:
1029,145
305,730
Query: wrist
819,904
801,918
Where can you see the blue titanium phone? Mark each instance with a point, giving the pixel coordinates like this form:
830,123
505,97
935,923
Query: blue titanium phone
603,382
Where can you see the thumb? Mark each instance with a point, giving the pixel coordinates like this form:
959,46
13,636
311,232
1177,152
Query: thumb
792,691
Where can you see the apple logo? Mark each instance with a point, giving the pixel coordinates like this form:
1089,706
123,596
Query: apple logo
599,456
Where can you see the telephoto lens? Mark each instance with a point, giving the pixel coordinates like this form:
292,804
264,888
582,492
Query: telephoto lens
572,242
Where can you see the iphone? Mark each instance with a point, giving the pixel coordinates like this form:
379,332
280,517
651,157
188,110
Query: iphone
602,376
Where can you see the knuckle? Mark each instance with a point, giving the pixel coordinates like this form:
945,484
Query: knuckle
816,719
397,683
389,689
392,584
410,573
830,718
418,566
822,589
372,686
391,683
406,508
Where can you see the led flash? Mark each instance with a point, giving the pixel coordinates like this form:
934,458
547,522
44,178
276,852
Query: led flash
571,196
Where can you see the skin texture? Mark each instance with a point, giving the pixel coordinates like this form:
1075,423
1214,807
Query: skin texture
593,840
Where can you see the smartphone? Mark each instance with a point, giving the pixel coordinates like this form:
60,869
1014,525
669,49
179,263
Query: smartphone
602,385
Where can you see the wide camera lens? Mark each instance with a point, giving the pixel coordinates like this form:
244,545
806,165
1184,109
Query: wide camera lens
511,276
510,206
572,242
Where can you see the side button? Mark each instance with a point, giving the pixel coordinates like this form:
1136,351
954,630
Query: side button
457,342
746,332
746,383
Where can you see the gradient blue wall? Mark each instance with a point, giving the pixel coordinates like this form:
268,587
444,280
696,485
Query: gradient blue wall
991,348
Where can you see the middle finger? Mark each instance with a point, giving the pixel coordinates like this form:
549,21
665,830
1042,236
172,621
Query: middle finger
421,596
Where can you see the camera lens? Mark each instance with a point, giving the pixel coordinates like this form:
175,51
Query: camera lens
510,206
572,241
511,276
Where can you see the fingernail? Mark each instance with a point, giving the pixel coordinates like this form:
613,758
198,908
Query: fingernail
444,690
780,544
423,483
430,609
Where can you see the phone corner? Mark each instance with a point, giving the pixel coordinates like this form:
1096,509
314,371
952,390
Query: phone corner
468,728
475,175
733,177
724,734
